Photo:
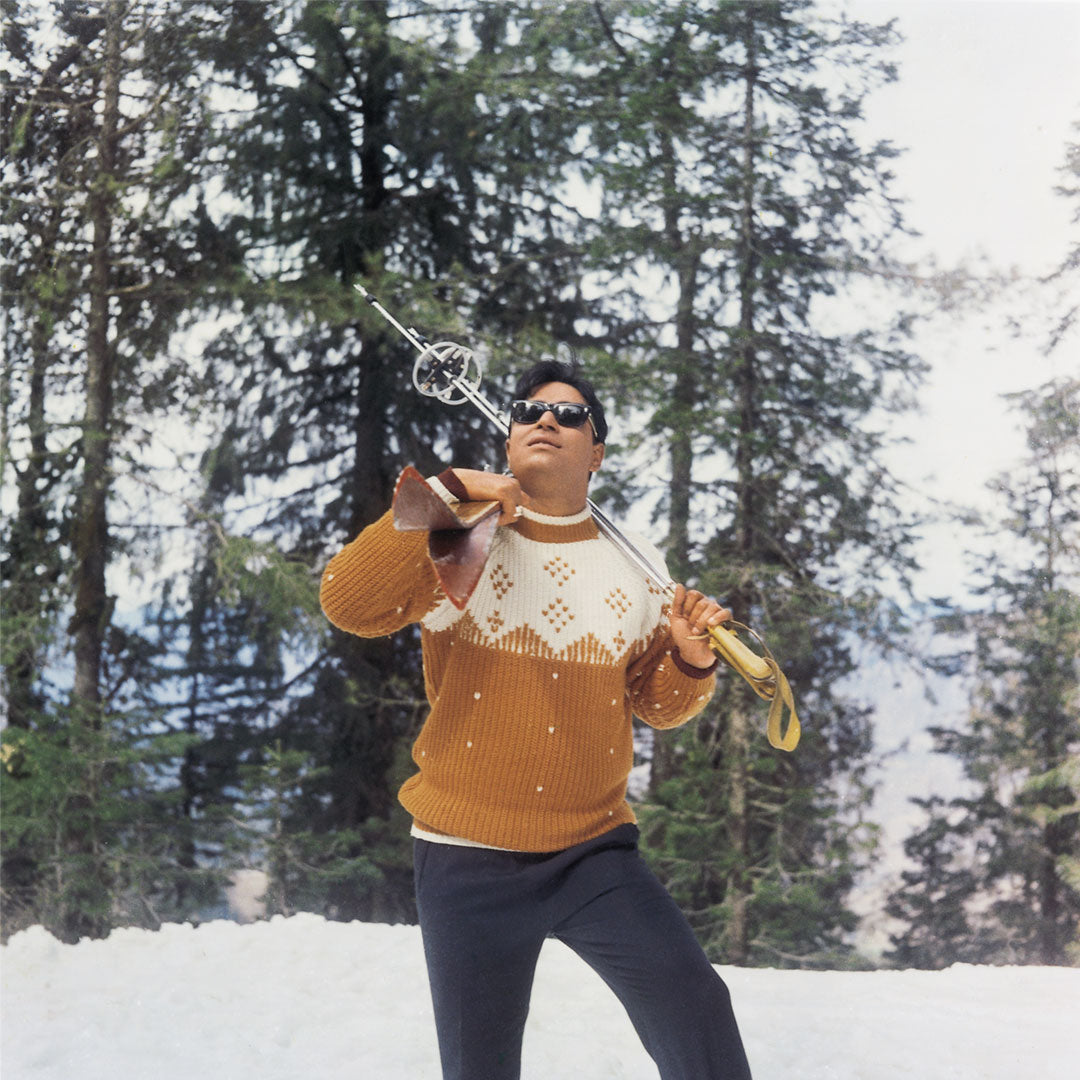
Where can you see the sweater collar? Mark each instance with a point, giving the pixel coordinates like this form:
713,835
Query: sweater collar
547,529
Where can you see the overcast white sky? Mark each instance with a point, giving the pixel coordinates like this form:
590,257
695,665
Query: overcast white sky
987,98
986,101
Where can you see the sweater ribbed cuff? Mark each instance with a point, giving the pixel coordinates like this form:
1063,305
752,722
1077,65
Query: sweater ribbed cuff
692,670
448,479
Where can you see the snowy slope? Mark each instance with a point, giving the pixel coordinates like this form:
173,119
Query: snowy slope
306,998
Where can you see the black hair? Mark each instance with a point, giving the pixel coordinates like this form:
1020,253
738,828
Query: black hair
549,371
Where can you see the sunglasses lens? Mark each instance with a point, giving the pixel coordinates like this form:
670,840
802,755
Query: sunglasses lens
567,414
571,415
526,412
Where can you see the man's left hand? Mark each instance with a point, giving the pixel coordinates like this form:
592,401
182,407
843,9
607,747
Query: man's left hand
691,615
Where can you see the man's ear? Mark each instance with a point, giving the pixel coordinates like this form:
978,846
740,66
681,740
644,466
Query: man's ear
597,456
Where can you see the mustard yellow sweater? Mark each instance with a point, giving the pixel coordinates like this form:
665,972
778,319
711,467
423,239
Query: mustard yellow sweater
529,741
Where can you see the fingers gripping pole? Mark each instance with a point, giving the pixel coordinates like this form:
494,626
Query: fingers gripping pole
761,672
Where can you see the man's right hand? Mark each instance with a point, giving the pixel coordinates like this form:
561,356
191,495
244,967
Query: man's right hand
498,487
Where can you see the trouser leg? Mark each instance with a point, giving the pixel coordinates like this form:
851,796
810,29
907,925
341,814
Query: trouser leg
481,948
630,931
484,916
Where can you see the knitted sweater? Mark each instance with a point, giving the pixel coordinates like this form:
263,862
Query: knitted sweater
529,741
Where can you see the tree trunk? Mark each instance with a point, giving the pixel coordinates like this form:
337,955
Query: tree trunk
378,97
87,911
686,258
363,737
27,595
739,725
90,621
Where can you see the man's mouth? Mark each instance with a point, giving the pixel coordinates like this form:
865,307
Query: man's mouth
542,440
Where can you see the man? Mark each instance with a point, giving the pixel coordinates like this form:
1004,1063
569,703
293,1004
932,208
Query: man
522,829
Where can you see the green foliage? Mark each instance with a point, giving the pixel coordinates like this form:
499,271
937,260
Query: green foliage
286,589
1013,845
737,199
1067,273
373,144
332,181
103,264
795,902
93,833
363,872
441,152
934,897
674,190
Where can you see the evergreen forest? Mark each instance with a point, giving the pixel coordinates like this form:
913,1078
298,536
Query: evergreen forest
197,410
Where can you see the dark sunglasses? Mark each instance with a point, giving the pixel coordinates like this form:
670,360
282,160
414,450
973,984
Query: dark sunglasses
568,414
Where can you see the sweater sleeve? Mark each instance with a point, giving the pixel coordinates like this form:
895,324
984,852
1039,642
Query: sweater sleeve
665,691
380,582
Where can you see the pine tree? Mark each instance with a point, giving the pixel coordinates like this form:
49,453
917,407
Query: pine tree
103,136
723,140
1066,274
1020,747
37,297
369,143
935,896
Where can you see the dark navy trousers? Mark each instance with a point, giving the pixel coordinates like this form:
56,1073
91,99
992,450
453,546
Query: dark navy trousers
484,917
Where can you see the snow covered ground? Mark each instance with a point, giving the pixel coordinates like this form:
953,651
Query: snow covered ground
303,997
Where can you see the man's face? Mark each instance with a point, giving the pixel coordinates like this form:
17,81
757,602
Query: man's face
545,451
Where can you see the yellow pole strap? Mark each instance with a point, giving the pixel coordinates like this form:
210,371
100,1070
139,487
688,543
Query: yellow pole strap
764,676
